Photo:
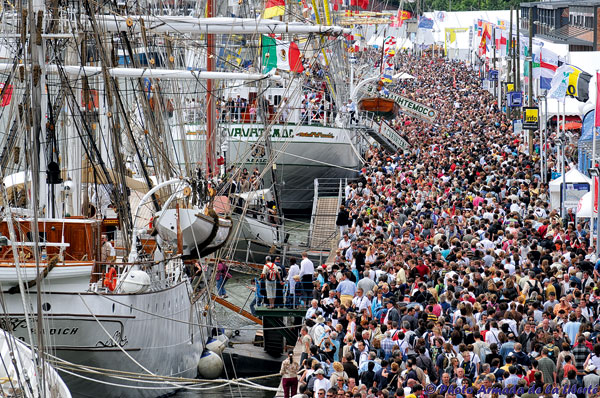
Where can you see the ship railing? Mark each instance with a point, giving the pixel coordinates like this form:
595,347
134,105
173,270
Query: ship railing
159,276
197,115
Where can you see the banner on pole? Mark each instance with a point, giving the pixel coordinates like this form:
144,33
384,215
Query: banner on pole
531,118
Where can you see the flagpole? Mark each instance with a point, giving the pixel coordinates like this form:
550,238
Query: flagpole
594,133
593,180
562,160
545,179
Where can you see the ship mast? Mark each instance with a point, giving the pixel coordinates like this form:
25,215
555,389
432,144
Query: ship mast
37,80
210,101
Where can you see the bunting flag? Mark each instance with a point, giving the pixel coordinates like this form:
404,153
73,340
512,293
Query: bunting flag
401,16
579,84
364,4
278,54
425,23
389,45
479,27
7,92
274,8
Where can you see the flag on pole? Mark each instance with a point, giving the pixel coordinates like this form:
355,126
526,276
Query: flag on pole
579,84
274,8
560,82
545,64
278,54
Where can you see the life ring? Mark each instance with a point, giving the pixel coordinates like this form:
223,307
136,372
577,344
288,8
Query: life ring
110,279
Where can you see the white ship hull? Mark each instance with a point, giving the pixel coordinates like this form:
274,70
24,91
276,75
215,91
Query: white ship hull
153,328
304,152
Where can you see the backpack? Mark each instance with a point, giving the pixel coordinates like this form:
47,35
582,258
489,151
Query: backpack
484,351
533,287
272,272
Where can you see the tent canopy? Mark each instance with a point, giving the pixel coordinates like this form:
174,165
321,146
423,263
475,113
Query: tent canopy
572,176
584,207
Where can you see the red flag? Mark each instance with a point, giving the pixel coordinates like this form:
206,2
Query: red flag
6,94
337,4
597,121
364,4
353,2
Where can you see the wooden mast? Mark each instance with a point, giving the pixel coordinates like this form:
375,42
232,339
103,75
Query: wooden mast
210,101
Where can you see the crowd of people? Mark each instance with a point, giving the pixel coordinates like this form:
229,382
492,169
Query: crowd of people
453,276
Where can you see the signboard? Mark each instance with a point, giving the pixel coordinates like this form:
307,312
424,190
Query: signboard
531,118
514,99
510,87
493,75
388,132
407,105
517,127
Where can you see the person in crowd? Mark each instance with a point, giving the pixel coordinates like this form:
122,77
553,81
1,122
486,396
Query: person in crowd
454,267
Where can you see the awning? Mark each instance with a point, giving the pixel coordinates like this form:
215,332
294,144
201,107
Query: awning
572,125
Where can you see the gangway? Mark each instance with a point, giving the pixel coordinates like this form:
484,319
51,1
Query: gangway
236,309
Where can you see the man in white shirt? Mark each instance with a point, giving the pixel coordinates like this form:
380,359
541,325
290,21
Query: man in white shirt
307,269
361,302
321,383
292,272
491,336
344,243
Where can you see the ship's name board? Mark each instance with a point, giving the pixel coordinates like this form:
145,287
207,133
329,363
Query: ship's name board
414,108
274,132
17,325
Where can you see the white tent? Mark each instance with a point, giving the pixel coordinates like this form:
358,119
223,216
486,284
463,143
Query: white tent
572,106
573,176
584,207
403,76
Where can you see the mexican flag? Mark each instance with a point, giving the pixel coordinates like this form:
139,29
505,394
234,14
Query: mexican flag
278,54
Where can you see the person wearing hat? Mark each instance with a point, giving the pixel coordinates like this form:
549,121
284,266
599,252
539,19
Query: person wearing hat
591,380
321,384
338,373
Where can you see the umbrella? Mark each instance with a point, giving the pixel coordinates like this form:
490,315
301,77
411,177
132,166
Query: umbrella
572,125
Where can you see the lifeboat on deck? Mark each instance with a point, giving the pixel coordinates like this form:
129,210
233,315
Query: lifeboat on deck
383,107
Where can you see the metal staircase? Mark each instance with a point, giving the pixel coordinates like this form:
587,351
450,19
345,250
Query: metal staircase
326,204
381,140
384,134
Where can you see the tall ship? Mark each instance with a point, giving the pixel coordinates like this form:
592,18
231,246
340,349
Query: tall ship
110,211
